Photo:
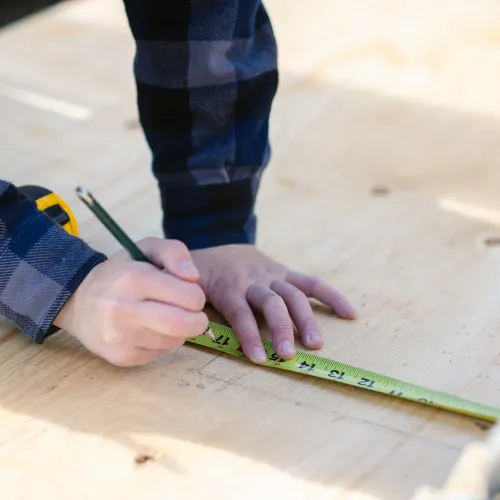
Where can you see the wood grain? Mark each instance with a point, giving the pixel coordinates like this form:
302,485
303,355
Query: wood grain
384,181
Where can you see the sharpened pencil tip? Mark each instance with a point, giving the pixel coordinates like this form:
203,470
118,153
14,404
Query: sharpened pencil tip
84,194
210,333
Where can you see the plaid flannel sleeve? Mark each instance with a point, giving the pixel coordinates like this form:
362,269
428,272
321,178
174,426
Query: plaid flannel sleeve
41,264
206,75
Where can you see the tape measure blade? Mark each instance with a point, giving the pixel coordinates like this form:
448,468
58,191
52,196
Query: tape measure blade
336,371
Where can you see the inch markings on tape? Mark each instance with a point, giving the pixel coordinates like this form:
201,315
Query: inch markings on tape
317,366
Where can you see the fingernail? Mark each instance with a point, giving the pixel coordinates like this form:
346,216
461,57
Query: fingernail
287,347
314,338
188,268
348,311
259,355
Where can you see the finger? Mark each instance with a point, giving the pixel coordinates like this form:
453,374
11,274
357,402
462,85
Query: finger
171,255
301,312
233,305
169,320
318,289
152,284
277,317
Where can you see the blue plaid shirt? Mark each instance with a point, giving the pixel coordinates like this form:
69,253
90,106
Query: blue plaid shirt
206,76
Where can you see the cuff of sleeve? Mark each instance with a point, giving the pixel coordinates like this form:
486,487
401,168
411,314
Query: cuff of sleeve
210,215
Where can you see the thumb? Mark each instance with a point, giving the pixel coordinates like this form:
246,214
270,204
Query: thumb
172,256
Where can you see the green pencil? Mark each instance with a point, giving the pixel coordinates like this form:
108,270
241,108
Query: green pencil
135,252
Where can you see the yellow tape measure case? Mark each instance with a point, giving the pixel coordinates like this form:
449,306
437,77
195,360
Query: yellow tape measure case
53,205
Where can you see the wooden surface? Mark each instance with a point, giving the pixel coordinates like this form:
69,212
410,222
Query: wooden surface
386,156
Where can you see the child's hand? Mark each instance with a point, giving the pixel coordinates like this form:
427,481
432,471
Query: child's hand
237,278
130,313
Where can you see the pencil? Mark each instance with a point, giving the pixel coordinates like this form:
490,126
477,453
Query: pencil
135,252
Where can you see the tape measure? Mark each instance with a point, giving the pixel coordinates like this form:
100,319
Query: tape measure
335,371
305,363
53,205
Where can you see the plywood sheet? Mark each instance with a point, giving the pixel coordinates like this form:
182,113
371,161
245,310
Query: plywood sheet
386,157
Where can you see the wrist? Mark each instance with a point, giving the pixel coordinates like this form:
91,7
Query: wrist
67,317
63,319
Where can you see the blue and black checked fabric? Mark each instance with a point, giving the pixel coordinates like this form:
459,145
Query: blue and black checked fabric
206,76
40,264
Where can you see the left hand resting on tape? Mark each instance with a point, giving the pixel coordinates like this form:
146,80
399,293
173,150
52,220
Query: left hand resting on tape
238,279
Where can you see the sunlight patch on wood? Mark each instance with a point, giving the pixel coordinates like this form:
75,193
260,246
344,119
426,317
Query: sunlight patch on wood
46,103
470,211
